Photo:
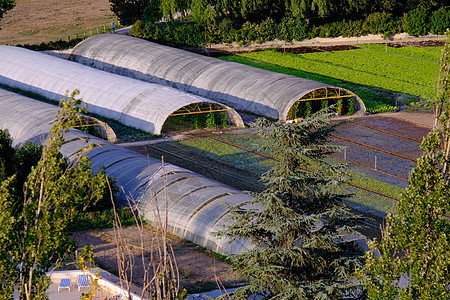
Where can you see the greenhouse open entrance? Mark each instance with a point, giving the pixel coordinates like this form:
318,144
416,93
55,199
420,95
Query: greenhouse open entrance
346,102
202,115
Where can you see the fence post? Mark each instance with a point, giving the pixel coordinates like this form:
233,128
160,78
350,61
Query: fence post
69,38
97,30
345,154
375,162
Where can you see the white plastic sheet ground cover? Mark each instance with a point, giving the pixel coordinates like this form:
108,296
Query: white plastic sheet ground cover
195,203
246,88
135,103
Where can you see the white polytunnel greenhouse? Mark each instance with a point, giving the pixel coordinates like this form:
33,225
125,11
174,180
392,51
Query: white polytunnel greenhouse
135,103
27,119
242,87
195,204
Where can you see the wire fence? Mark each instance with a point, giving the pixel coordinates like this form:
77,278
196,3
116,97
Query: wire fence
91,31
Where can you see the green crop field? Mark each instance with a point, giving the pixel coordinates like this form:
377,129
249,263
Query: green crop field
411,71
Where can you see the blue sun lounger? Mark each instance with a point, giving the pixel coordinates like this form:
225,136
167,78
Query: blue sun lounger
64,283
82,281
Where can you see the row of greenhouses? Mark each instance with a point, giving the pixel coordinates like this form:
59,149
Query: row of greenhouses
135,103
195,204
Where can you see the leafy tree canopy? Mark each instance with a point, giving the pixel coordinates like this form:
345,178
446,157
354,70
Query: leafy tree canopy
128,11
35,238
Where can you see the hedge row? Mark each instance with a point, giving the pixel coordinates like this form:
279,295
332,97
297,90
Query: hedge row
415,23
54,45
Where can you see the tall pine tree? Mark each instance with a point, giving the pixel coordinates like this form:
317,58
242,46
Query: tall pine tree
298,225
414,261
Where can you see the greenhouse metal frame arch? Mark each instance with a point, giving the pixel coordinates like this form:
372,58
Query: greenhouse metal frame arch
135,103
242,87
195,203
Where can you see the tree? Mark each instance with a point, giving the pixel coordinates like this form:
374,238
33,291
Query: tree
34,239
6,155
414,261
6,5
128,11
153,12
299,225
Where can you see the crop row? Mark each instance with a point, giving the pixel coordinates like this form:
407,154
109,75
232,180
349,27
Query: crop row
428,54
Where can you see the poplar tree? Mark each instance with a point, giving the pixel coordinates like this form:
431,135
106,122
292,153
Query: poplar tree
298,225
414,260
34,240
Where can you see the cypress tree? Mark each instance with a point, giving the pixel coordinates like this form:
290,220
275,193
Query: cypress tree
298,225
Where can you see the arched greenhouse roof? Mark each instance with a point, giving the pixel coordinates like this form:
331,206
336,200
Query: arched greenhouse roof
28,119
195,204
242,87
133,102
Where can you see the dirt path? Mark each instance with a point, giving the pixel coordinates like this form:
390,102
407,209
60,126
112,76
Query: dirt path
397,39
198,268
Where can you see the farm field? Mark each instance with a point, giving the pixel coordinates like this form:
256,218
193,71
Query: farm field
407,73
375,188
35,21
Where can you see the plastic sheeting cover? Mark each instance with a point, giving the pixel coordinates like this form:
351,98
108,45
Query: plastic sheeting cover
195,203
242,87
135,103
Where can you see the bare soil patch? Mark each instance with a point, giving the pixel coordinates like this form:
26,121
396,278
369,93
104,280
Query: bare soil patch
199,269
37,21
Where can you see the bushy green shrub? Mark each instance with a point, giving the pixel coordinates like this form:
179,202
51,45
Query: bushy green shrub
153,12
227,31
284,29
136,29
54,45
440,21
300,29
381,23
416,23
267,30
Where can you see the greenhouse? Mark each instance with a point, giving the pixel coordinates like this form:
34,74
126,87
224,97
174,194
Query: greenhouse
135,103
195,204
245,88
36,118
